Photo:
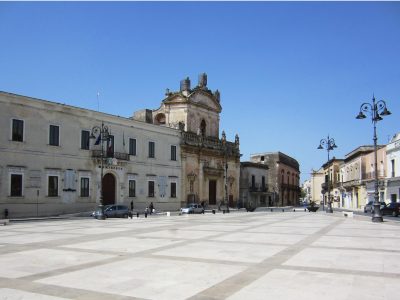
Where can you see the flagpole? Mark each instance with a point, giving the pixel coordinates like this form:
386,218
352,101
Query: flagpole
98,103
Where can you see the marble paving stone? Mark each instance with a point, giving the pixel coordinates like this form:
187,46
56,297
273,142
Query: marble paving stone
12,294
262,238
214,227
147,278
356,224
381,233
48,228
7,233
25,263
123,244
240,252
94,230
178,234
359,260
28,238
281,229
304,285
359,242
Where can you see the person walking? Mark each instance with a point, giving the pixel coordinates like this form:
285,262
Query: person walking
151,207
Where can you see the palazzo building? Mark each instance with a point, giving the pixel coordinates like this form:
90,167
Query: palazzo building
283,177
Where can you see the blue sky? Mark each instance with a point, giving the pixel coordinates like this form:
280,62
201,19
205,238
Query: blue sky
289,73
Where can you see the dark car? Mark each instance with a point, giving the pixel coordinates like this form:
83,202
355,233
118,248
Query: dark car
370,206
392,209
112,211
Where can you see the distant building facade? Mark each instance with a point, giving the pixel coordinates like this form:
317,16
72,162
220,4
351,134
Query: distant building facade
284,177
254,190
358,174
393,169
316,181
331,171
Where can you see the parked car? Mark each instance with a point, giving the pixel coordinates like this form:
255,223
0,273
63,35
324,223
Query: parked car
112,211
392,209
192,208
369,207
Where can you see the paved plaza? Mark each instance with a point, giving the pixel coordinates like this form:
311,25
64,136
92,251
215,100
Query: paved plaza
263,255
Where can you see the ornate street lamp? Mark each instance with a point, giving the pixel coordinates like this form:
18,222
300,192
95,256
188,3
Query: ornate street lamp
224,145
101,134
377,110
329,144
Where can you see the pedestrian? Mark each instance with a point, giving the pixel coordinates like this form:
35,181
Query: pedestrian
151,207
202,203
132,205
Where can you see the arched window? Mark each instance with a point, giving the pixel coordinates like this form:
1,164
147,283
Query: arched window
203,126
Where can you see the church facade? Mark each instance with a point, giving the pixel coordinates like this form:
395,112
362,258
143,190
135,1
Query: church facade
210,163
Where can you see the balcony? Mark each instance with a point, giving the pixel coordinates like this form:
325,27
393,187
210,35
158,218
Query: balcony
258,189
117,155
371,175
193,139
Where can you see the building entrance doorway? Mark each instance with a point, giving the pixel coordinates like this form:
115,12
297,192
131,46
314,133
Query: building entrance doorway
108,189
212,192
230,200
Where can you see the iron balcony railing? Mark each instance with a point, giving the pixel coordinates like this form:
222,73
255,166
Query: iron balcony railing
108,154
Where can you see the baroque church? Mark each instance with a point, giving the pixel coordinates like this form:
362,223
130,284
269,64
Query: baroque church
210,164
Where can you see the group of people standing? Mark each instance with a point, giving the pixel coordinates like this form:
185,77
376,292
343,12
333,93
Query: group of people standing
149,209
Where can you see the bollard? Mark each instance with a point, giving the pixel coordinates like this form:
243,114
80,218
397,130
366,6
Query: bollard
6,213
145,214
137,215
213,211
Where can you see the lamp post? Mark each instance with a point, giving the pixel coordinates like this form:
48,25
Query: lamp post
224,145
329,144
377,110
101,134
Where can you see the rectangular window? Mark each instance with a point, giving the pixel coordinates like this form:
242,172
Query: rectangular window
132,188
173,152
151,149
53,186
253,181
16,185
393,170
69,180
132,147
173,189
84,187
17,130
85,140
110,146
151,189
263,182
54,135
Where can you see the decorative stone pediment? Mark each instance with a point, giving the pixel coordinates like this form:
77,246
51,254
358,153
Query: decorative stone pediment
206,100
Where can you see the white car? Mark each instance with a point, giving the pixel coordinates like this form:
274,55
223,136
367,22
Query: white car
192,208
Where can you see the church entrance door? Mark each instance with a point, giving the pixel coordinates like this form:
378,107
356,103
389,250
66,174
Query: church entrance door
212,192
